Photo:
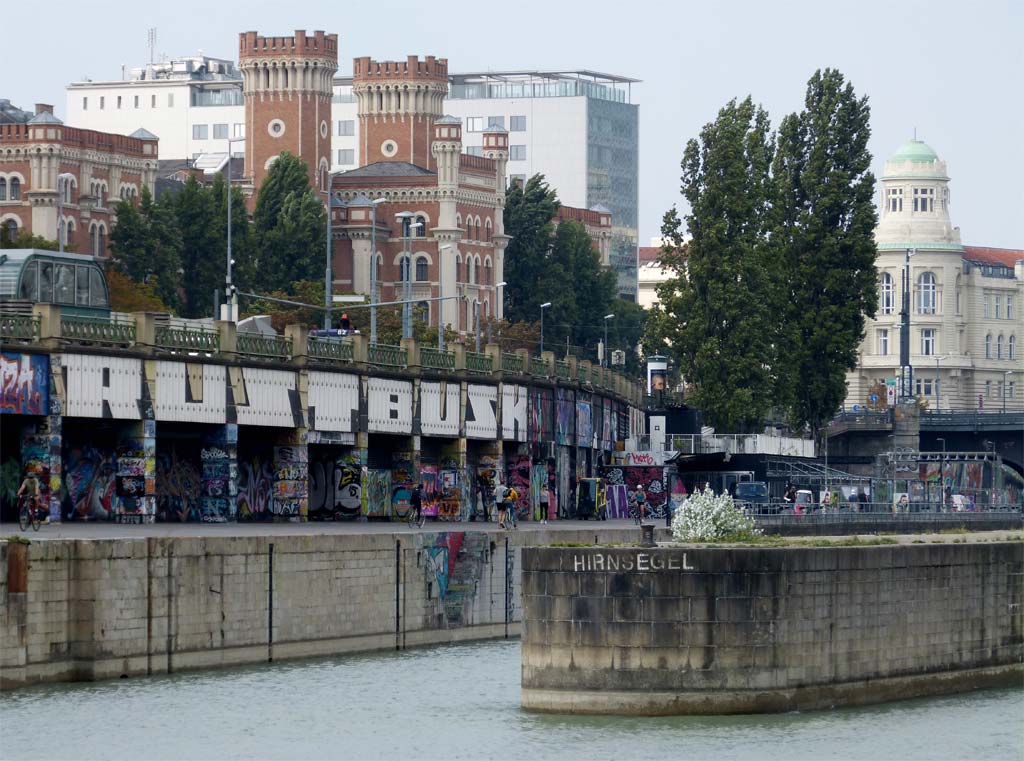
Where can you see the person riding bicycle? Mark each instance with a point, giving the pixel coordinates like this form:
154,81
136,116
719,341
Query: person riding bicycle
30,488
641,502
416,503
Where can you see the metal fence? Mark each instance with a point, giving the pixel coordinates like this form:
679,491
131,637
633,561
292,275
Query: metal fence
844,510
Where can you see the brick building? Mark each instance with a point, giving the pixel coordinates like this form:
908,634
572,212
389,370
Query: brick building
98,169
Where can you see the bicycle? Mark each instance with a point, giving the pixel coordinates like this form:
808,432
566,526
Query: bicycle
28,513
413,520
511,520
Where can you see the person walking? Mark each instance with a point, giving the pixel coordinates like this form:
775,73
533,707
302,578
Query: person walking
512,497
641,502
416,503
501,501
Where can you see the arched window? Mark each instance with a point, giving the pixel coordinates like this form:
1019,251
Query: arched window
471,270
488,280
999,347
421,269
488,232
404,269
69,233
926,293
421,231
3,189
10,229
888,294
988,346
15,188
1010,347
458,269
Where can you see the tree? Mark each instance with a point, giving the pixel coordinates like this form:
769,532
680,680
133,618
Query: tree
529,213
128,296
202,258
716,309
289,226
586,292
146,246
25,239
823,225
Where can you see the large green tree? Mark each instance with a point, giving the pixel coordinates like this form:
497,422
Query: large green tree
289,229
717,306
145,245
529,213
823,220
201,256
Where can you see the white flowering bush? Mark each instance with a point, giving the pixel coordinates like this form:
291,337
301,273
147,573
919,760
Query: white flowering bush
707,517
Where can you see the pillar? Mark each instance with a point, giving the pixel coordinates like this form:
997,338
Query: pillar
220,474
291,476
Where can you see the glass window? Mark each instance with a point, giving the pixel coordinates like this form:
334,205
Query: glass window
927,341
883,342
220,132
474,124
82,286
999,347
238,130
152,101
64,288
16,189
988,346
85,104
475,150
3,189
895,199
888,294
10,230
517,124
97,288
517,153
1011,347
136,101
988,389
998,306
118,101
926,294
170,100
1009,299
421,231
346,156
924,199
496,121
45,281
199,131
346,128
103,102
29,287
986,306
1010,390
421,269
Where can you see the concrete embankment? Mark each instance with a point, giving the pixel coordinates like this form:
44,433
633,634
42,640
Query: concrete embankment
691,630
100,608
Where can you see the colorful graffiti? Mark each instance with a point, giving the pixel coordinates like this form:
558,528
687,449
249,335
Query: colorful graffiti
539,426
378,493
91,479
431,494
486,480
291,479
179,485
403,479
518,476
24,384
335,488
565,417
652,478
584,423
255,489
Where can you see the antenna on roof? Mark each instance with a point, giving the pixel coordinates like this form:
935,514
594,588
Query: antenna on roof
915,133
151,41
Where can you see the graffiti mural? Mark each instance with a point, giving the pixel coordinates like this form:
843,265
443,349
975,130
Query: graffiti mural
24,384
335,488
378,493
584,422
518,476
652,478
431,494
403,478
486,480
256,489
539,429
453,501
455,564
91,479
514,412
565,417
291,478
179,484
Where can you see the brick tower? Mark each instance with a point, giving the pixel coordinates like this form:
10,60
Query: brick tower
287,82
398,104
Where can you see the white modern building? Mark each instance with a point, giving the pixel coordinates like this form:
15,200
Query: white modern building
580,129
966,323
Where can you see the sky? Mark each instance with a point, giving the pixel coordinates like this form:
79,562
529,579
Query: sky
954,71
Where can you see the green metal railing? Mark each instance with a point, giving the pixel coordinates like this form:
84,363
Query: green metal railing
595,376
188,339
98,330
581,375
329,349
538,367
512,363
386,356
263,347
23,327
479,363
562,369
436,360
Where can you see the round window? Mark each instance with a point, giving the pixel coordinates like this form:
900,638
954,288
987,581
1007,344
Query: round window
275,128
389,148
323,129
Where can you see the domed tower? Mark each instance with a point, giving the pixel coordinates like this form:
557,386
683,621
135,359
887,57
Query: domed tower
287,82
398,102
915,200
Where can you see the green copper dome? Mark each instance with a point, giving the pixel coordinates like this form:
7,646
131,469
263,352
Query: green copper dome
914,150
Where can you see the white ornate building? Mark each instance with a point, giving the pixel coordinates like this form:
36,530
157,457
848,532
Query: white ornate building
966,302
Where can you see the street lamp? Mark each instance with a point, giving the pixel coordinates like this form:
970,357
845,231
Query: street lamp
937,380
502,284
543,306
62,183
906,371
604,354
1006,375
408,226
229,311
331,204
440,301
373,268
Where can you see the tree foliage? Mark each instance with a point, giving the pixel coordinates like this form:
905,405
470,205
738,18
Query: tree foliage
128,296
146,246
25,239
529,213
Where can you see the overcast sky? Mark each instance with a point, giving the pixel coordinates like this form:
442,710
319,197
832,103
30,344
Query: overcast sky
954,70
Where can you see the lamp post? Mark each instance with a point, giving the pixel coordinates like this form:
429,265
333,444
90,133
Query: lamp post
405,219
476,322
440,300
330,254
938,381
373,268
229,311
62,183
906,371
502,284
604,354
1006,375
543,306
942,475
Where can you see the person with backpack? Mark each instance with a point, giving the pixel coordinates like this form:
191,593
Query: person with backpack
512,497
501,501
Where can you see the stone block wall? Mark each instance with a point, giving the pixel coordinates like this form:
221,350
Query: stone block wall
748,630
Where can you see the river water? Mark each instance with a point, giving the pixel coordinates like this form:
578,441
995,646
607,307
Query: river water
458,702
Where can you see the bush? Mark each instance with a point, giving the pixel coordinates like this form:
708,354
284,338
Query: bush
706,517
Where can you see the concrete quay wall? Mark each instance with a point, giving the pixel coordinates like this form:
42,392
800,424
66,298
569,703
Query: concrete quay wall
747,630
93,609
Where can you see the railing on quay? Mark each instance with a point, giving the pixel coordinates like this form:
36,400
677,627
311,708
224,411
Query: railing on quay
562,369
479,363
263,347
385,355
972,418
512,363
733,443
434,359
329,349
19,327
97,330
847,510
538,367
188,339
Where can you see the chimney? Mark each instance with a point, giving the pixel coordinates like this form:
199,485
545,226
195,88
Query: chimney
43,108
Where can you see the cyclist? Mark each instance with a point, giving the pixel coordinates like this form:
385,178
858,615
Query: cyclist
416,503
641,502
30,488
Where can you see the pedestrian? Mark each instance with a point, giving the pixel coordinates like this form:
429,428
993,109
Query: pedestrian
641,502
346,323
835,500
862,499
501,501
416,503
511,497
